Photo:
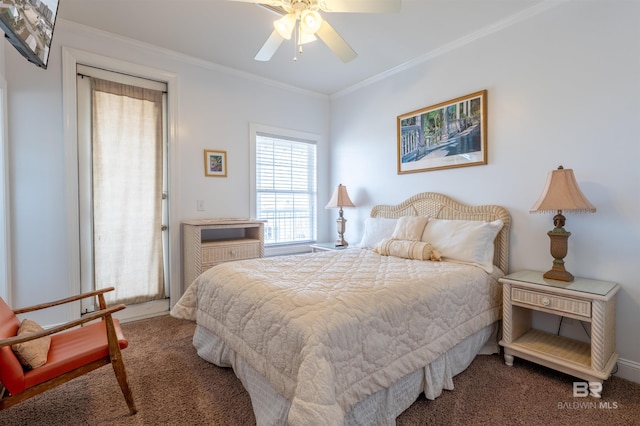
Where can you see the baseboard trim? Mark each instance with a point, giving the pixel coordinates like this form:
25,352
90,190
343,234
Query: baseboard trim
629,370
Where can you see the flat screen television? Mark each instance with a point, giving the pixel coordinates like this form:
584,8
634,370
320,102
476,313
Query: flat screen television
28,25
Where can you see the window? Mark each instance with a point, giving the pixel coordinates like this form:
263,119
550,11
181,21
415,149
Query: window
285,188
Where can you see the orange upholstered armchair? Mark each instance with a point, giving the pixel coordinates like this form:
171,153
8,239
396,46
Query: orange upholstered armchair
73,351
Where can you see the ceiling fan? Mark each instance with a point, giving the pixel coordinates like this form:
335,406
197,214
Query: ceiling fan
302,21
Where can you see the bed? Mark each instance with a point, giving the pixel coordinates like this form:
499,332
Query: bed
355,336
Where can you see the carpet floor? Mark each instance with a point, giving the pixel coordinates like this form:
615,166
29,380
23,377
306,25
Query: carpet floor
173,386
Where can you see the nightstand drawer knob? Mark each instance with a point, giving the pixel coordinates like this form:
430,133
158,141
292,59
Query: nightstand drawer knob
545,301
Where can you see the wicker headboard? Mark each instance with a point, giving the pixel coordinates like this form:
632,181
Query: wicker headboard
440,206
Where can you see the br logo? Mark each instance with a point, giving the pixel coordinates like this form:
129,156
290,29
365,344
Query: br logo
584,389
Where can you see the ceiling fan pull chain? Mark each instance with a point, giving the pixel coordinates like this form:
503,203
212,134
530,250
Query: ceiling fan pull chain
300,37
297,45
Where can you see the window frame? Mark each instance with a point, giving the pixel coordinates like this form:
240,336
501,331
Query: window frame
255,129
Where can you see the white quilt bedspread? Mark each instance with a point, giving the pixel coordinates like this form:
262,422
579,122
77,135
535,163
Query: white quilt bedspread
328,329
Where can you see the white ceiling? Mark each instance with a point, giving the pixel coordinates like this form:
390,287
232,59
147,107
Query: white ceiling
230,33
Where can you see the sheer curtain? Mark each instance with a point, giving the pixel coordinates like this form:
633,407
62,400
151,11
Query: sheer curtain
127,191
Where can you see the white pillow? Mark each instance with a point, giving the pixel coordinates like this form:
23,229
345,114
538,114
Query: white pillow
467,241
410,228
376,229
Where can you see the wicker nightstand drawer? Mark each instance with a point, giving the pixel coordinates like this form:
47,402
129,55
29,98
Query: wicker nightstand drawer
552,302
217,252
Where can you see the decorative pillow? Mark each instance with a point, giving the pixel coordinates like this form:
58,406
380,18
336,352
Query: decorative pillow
410,228
31,354
406,249
467,241
375,230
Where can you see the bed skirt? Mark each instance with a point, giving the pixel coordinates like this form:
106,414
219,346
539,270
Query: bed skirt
381,408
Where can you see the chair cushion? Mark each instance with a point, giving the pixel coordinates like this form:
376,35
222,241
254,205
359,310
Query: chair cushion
72,349
31,354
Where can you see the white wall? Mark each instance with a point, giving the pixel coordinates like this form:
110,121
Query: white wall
563,88
215,107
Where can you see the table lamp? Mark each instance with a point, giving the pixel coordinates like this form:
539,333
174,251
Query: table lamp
340,199
561,193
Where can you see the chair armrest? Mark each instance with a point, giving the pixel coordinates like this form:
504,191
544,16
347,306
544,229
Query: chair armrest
62,301
86,318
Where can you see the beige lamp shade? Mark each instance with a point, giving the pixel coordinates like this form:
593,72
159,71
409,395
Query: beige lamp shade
561,193
340,198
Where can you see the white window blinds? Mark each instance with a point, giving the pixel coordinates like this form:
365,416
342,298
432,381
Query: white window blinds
286,189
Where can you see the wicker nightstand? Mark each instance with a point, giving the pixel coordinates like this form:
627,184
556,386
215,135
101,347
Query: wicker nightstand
209,242
582,299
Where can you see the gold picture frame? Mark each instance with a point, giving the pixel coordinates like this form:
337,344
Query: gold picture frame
215,163
442,136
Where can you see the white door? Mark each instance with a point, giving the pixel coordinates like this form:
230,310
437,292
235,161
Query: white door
122,169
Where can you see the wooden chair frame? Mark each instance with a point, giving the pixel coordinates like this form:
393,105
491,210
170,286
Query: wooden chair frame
114,357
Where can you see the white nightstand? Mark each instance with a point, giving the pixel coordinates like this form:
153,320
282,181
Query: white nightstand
326,247
582,299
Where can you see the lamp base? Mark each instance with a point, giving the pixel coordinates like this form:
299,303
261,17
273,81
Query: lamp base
341,224
559,274
559,245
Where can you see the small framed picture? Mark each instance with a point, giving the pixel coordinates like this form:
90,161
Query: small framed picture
215,163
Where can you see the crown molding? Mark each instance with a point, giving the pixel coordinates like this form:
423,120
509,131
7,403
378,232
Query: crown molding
456,44
188,59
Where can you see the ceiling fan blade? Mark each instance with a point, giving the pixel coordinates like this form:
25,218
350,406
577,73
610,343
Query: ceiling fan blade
332,39
362,6
269,47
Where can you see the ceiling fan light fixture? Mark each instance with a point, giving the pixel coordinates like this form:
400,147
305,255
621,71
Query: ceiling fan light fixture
285,25
306,37
310,21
